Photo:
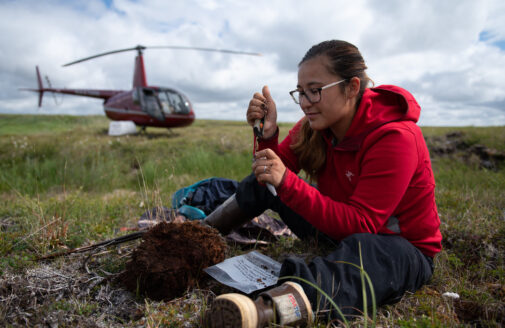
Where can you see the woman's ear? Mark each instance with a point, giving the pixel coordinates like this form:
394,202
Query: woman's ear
354,86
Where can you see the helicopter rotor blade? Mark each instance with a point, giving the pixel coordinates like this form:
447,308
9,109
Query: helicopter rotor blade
206,49
139,48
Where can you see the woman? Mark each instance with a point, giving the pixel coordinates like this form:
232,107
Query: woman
374,191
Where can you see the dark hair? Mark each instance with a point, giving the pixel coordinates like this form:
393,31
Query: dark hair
345,61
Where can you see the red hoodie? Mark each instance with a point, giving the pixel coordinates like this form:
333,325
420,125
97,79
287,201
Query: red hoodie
377,180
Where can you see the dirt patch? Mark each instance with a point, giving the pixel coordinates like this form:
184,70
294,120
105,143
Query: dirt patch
171,259
480,315
455,145
473,251
472,248
64,294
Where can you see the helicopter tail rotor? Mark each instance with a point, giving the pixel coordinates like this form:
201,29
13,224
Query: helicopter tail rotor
41,86
40,89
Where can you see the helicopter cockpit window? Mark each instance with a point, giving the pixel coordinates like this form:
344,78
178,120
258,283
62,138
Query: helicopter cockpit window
166,105
179,104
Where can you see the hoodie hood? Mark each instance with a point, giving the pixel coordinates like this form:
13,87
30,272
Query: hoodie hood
379,106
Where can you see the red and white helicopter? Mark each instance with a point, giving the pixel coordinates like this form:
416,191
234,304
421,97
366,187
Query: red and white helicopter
144,104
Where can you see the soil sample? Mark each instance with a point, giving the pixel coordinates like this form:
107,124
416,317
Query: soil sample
171,259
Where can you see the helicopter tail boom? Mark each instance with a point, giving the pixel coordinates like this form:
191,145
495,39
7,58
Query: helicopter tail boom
93,93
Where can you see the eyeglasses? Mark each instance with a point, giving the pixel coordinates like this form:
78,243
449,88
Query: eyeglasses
313,95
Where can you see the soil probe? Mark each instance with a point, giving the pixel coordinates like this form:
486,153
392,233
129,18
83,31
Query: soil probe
113,241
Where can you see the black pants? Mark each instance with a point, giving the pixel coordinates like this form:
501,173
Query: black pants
394,265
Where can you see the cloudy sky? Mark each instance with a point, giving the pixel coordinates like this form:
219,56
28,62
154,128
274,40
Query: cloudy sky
450,54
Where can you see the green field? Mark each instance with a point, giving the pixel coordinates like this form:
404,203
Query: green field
65,183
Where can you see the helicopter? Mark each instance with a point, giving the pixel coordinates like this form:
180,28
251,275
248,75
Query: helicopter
145,105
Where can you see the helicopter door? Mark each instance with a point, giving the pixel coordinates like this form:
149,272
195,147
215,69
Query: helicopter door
150,104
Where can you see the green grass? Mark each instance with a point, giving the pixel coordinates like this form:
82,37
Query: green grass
65,183
25,125
492,136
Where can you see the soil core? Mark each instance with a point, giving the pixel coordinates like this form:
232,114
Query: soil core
171,259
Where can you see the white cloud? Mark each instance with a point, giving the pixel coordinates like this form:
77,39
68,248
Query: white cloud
435,49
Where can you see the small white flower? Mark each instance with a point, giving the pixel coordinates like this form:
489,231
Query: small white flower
452,295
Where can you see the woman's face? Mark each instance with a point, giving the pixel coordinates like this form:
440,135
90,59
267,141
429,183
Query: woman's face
335,110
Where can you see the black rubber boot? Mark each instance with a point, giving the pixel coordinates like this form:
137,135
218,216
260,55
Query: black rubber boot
227,216
283,305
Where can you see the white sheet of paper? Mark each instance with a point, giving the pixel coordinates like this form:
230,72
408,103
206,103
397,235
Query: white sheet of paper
247,273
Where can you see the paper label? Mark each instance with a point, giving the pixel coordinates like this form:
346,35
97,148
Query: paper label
247,273
288,308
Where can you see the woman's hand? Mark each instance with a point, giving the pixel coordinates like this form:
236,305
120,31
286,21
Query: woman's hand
268,167
262,105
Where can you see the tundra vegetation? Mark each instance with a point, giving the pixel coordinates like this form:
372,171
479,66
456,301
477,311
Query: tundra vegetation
65,183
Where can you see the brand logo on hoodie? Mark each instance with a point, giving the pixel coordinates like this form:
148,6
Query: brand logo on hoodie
349,175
